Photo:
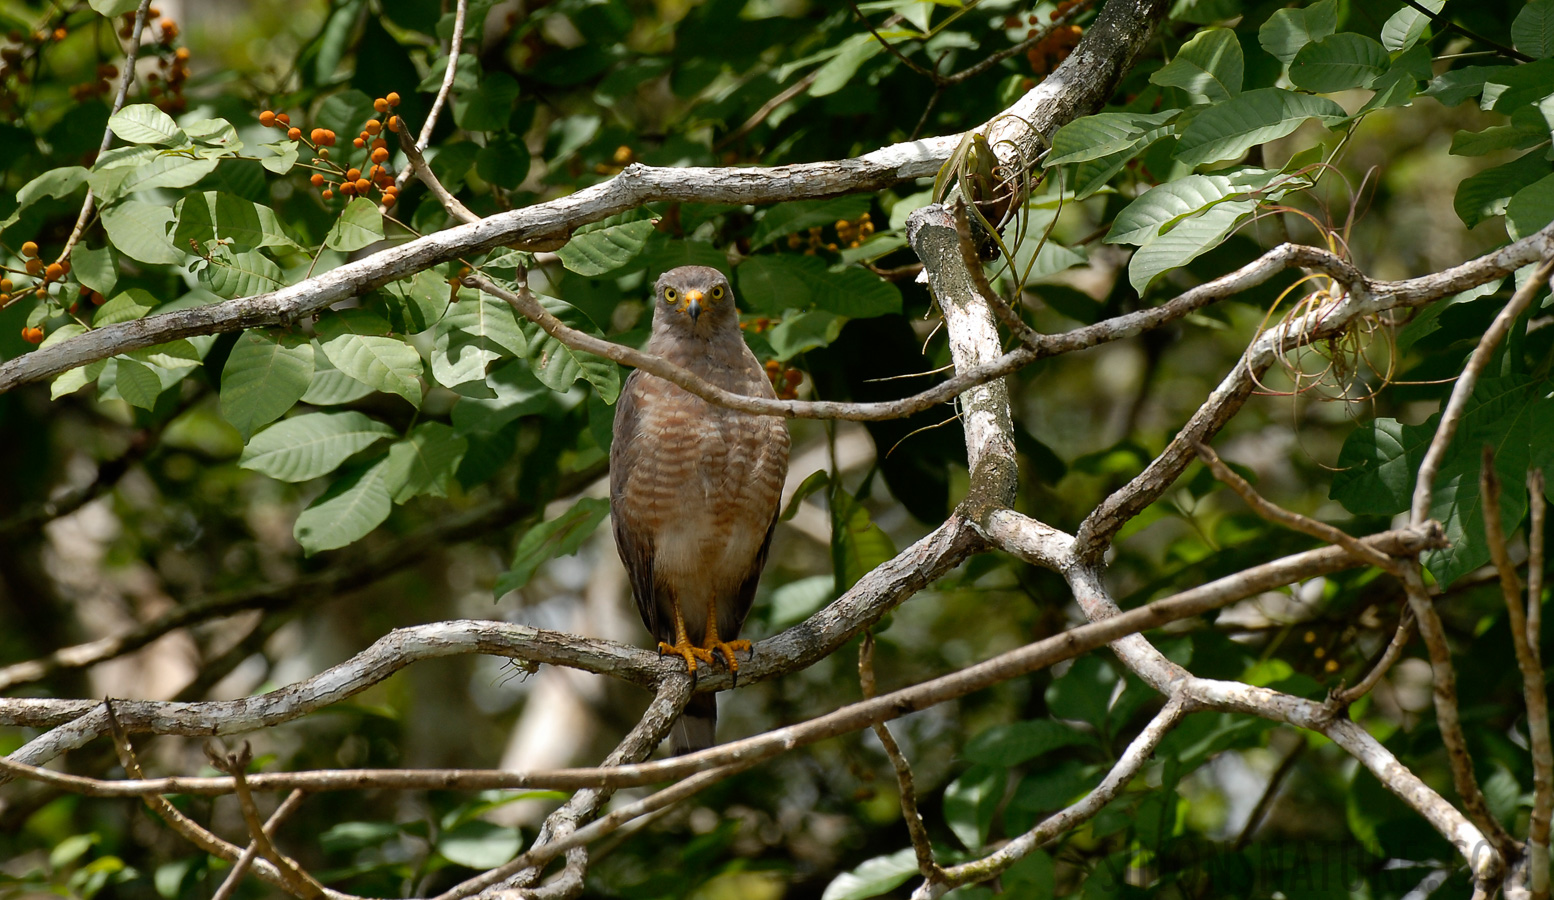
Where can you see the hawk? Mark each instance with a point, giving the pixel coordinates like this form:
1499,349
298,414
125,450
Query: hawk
694,487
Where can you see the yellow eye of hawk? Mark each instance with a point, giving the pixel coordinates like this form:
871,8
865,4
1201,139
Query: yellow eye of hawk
717,293
669,294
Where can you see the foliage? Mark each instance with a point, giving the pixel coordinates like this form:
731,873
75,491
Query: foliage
222,463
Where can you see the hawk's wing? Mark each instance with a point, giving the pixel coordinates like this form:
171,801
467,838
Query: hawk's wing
632,537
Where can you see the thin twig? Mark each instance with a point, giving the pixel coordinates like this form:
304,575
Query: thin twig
1304,524
449,74
125,81
1457,404
298,882
1543,766
1389,656
1533,682
240,868
767,108
1443,22
1270,793
905,783
891,48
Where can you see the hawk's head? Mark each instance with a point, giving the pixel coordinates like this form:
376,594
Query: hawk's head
697,299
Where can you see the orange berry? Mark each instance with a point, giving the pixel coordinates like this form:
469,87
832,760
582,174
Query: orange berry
363,185
283,119
34,266
324,153
294,134
267,118
388,199
393,124
329,137
380,104
54,272
6,285
328,194
348,189
392,98
317,179
359,143
153,12
379,144
380,155
182,53
32,335
353,174
97,299
30,249
792,377
316,135
373,126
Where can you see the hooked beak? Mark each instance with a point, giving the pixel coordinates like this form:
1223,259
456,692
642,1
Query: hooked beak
693,305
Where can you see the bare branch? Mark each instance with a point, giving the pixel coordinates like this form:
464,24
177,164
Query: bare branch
298,882
1389,656
1457,404
449,74
905,783
1001,668
1128,765
245,862
1304,524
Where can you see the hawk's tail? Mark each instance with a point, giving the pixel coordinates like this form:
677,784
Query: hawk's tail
694,729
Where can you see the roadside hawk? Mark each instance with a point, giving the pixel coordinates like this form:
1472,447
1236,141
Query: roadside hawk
694,487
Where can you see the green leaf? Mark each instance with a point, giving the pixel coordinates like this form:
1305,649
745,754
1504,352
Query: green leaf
1527,129
473,333
1017,742
265,375
213,215
353,506
143,123
137,383
1188,240
517,393
424,462
599,248
1339,62
96,269
178,354
1084,692
504,162
131,304
558,365
56,183
330,386
354,342
480,844
417,303
1227,130
145,168
839,70
283,156
240,273
1209,66
873,877
858,545
1486,194
1143,219
969,803
1533,30
1103,134
561,536
307,446
798,215
359,225
1288,30
1459,85
804,331
1531,208
489,105
139,230
1376,467
1407,25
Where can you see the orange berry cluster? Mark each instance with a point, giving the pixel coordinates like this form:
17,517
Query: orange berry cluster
101,86
172,72
353,181
757,325
849,233
1051,50
46,272
786,381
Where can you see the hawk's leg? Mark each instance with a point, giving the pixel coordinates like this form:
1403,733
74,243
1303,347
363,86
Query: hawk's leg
715,645
682,645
